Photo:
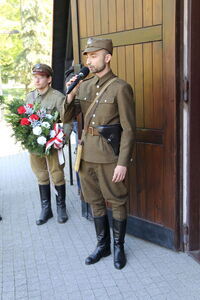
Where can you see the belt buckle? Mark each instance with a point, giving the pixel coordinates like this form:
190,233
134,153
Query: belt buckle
91,130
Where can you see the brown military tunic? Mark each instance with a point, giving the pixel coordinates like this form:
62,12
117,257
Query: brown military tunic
50,100
116,105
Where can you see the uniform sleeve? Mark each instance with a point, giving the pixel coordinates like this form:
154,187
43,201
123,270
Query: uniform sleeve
66,110
126,107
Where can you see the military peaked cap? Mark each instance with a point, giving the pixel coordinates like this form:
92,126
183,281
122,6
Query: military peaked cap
95,44
42,69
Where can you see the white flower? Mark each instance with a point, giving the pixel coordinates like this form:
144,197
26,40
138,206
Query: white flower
29,110
37,130
35,123
52,133
45,124
48,116
41,140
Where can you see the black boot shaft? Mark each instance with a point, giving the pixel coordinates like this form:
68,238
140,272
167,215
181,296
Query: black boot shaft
45,192
102,229
103,240
45,198
119,231
60,201
60,197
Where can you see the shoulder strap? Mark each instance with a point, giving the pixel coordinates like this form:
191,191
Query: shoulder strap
94,105
92,108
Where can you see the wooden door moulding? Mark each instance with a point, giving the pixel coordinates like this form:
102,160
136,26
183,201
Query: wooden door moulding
74,13
150,136
169,94
131,37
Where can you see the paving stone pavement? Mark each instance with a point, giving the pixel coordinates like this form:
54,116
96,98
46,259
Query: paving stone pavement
47,262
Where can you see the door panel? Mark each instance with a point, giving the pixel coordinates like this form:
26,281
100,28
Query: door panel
143,34
149,182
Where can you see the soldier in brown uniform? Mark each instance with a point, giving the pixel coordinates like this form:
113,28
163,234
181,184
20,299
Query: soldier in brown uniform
102,173
44,167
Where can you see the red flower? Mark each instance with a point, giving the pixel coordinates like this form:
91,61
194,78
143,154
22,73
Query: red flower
25,121
30,105
21,110
34,117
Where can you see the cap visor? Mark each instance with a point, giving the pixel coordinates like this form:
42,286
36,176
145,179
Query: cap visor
92,49
40,73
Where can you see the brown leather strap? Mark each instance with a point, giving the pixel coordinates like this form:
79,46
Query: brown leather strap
93,131
92,109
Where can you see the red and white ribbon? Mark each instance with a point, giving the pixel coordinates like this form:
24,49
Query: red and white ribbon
57,141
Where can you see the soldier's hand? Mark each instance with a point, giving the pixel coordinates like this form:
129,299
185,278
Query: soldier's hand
119,173
71,96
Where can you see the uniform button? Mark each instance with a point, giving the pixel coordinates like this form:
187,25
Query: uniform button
131,159
94,115
97,86
105,100
85,98
93,123
97,94
97,101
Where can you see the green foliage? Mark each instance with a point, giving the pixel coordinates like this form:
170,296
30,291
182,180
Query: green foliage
13,106
13,93
2,100
19,52
10,44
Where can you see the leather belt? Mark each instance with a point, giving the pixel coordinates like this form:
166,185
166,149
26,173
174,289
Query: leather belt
93,131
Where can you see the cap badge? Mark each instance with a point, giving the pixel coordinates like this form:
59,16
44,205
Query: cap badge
89,41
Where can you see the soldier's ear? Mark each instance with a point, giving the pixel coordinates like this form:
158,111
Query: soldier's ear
108,58
49,80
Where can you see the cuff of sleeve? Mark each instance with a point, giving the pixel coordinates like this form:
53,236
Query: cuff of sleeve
66,104
122,162
125,162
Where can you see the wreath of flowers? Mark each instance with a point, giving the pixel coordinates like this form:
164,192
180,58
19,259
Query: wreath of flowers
36,130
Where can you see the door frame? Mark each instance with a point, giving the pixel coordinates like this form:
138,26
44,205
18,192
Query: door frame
194,125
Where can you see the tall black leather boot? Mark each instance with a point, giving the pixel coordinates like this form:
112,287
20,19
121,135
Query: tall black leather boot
103,237
0,217
119,231
61,206
45,197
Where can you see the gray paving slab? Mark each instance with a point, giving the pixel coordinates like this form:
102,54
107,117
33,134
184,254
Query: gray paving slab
47,262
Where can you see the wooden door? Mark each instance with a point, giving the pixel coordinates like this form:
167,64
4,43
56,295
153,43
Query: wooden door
143,34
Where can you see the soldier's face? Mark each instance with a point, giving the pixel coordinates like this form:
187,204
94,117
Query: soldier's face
41,81
97,61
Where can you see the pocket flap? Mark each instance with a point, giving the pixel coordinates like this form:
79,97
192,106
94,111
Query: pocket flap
107,99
